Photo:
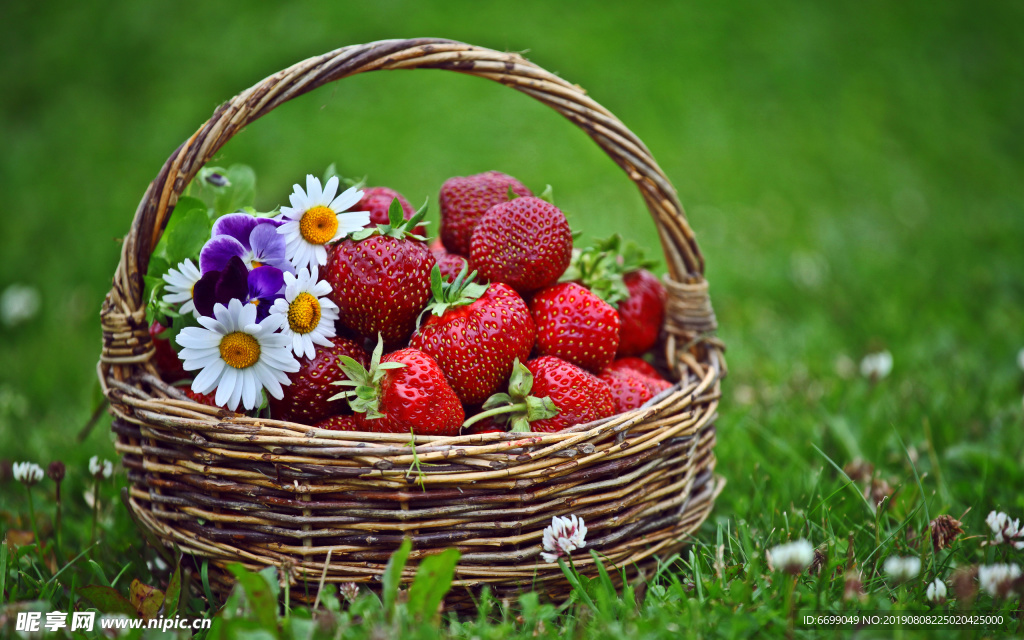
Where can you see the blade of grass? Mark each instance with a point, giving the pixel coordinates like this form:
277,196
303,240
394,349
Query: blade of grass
73,561
850,482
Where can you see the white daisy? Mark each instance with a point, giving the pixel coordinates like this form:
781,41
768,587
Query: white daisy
238,356
307,316
180,284
315,219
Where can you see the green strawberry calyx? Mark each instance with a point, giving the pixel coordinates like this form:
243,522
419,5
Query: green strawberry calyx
462,290
601,268
397,226
517,406
365,397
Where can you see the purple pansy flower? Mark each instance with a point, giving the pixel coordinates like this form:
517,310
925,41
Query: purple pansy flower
260,287
254,240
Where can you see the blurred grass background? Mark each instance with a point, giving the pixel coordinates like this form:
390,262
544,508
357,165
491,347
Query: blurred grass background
853,171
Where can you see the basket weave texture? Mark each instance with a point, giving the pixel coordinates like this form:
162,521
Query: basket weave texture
230,488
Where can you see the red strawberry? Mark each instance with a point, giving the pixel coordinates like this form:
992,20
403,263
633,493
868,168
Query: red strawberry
641,314
204,398
464,200
617,275
404,391
377,201
525,243
165,357
575,325
475,333
307,399
640,370
547,395
629,391
380,279
338,423
450,264
636,366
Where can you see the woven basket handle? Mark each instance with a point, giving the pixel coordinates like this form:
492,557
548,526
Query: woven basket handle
124,310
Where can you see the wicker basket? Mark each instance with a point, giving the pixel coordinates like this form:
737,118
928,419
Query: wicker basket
230,488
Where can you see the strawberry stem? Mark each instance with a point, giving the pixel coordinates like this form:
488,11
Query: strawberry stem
493,412
518,401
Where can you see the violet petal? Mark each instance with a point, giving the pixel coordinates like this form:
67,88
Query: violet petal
218,251
236,225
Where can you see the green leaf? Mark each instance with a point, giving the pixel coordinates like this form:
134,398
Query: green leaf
330,172
240,192
432,582
270,575
259,593
147,600
396,215
173,593
392,577
186,238
107,600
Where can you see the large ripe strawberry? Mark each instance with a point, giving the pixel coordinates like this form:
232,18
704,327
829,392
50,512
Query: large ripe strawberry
377,201
307,399
380,278
618,275
575,325
165,357
475,332
406,391
525,243
547,395
464,200
641,314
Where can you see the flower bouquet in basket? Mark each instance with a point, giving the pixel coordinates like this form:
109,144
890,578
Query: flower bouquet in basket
310,387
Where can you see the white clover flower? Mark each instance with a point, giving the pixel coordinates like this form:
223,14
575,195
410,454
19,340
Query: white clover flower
936,591
876,365
18,303
181,283
792,557
997,579
316,217
902,569
237,356
1005,530
27,473
307,316
101,469
349,590
563,536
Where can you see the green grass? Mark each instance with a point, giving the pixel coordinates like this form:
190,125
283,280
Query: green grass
853,172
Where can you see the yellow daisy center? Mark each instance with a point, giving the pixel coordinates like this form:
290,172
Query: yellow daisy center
239,349
304,313
318,225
